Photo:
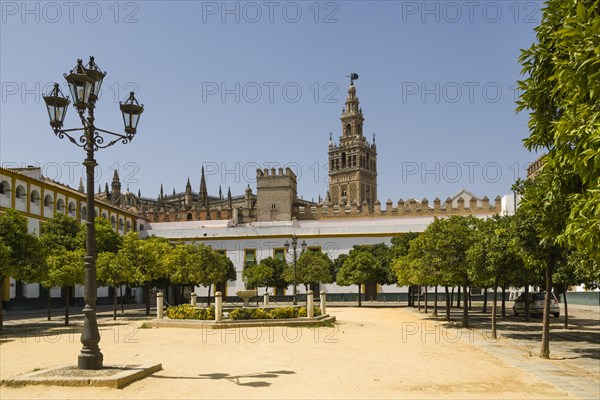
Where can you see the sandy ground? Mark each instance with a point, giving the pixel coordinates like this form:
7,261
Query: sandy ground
370,353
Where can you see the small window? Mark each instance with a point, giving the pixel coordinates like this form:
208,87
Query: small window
121,223
48,201
34,197
189,217
4,187
20,192
249,257
72,209
127,226
60,205
279,254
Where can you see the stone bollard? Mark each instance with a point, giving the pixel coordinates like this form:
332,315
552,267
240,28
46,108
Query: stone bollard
193,299
218,307
323,299
310,309
266,298
159,305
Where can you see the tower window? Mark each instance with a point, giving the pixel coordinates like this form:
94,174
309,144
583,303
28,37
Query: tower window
189,216
343,160
348,129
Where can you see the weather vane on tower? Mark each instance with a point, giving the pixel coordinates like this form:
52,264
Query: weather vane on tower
353,76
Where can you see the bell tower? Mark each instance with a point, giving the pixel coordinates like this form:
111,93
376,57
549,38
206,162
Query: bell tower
353,162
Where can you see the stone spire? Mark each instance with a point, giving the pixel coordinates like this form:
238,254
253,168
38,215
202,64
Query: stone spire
174,192
220,193
139,194
81,188
352,117
162,194
188,186
106,189
116,184
203,192
229,199
99,188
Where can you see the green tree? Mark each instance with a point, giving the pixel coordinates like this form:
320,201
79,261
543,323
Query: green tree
65,269
147,258
23,255
493,258
107,239
359,268
112,273
561,92
540,220
62,242
313,266
268,273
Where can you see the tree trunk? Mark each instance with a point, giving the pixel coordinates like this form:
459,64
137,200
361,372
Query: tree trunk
494,336
545,352
147,290
484,309
465,318
468,295
566,309
49,306
115,303
1,300
452,298
435,301
419,299
458,297
527,305
67,305
426,308
359,302
448,303
409,295
504,301
121,293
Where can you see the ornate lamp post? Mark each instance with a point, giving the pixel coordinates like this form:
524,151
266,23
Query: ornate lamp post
84,85
294,246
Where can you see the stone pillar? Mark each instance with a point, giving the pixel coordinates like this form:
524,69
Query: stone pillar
266,298
193,299
310,309
323,300
159,305
218,307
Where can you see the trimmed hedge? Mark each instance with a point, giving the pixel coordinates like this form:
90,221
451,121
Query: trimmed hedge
276,313
186,311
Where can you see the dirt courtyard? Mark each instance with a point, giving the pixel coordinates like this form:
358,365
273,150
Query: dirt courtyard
369,353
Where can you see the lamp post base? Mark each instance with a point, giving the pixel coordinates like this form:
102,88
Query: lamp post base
90,361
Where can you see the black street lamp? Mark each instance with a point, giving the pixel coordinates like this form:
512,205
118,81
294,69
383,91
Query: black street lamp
294,246
84,85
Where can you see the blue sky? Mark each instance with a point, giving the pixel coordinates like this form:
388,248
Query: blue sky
240,85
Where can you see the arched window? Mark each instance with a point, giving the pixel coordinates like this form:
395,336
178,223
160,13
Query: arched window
113,221
127,226
121,224
48,201
72,209
84,212
189,217
4,187
104,215
34,197
60,205
348,129
343,159
20,192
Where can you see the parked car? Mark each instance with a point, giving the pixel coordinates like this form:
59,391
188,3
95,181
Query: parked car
536,304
